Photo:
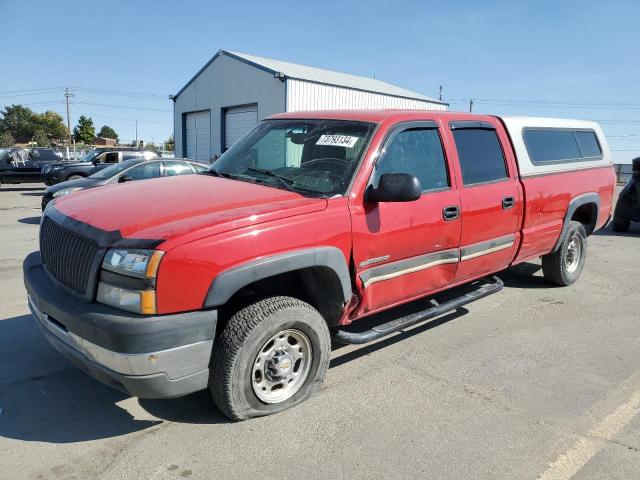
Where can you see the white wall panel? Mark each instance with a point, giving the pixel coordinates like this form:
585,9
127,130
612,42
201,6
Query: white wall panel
314,96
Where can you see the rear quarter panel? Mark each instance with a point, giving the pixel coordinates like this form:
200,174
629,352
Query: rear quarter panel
547,198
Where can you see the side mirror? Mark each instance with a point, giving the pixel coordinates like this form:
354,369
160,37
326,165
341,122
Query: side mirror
635,165
395,187
124,178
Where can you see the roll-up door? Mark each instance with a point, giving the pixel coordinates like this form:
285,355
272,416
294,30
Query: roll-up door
198,135
237,122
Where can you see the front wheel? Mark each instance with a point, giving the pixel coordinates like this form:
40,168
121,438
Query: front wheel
270,356
564,266
75,177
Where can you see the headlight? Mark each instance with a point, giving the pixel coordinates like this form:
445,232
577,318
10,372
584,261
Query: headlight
127,280
65,191
135,263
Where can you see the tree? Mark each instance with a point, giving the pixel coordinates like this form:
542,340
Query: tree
107,132
22,123
151,146
40,138
18,121
170,143
52,124
6,140
84,132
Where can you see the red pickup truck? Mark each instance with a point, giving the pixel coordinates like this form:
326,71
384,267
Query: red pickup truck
237,279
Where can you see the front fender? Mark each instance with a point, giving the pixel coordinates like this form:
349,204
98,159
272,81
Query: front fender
228,282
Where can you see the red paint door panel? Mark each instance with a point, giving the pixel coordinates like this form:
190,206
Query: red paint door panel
490,196
406,250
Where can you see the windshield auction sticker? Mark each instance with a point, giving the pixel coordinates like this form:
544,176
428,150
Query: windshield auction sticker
338,140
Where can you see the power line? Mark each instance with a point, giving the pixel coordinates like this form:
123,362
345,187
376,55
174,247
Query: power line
124,107
121,93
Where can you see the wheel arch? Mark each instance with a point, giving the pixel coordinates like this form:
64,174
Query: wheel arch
585,209
320,276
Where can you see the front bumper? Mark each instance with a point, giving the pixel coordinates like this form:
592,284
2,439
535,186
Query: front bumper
163,356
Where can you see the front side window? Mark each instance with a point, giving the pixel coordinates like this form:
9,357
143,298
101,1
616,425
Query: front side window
417,151
312,157
113,170
480,154
176,168
144,171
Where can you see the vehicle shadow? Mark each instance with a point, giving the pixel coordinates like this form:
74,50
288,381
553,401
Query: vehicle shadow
22,189
30,220
634,231
44,398
33,194
524,276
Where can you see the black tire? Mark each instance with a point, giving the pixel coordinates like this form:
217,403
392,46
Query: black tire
75,176
621,220
245,335
554,265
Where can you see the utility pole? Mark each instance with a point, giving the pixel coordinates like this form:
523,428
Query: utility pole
471,105
440,94
136,133
68,95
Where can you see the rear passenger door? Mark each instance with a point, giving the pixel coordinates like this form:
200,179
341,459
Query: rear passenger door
490,197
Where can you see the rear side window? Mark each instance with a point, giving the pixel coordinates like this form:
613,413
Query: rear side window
417,151
588,144
480,154
547,145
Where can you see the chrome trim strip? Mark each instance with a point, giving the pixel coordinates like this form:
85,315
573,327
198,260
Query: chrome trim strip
409,265
174,362
485,248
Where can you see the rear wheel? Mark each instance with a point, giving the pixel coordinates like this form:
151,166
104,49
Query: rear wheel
564,266
270,356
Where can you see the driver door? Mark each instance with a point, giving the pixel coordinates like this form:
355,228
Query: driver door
406,250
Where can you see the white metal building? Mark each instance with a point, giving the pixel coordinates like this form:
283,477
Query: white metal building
234,90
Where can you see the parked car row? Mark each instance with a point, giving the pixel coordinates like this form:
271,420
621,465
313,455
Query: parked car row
21,165
125,171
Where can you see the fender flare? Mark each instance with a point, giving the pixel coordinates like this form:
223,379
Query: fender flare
574,204
227,283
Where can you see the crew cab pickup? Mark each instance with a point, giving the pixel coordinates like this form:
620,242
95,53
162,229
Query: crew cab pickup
236,280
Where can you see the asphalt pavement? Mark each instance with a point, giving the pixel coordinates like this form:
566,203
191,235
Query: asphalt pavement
533,382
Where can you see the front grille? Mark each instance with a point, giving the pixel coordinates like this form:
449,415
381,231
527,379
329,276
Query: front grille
69,257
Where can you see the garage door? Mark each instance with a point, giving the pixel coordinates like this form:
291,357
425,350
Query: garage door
237,122
198,135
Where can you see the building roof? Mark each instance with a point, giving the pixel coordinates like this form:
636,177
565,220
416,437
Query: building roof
295,71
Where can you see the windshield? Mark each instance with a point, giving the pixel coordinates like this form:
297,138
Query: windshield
90,155
314,157
113,169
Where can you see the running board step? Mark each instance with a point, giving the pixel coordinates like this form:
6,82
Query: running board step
493,285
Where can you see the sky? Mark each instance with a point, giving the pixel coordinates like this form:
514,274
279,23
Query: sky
122,59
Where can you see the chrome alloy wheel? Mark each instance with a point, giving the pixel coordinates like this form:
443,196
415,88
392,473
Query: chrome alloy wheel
281,366
574,252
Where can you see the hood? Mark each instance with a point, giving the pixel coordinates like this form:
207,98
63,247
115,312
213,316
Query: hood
80,182
183,208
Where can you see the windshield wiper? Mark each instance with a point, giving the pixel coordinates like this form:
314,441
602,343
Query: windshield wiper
286,182
217,173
